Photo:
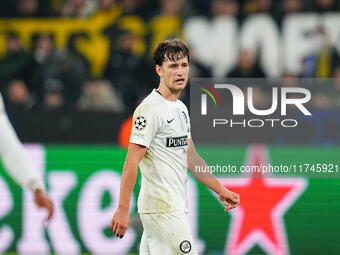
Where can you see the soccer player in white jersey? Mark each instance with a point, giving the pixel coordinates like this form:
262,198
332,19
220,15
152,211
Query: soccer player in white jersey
161,145
15,160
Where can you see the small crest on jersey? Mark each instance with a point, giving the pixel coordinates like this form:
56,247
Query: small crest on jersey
140,123
185,246
185,117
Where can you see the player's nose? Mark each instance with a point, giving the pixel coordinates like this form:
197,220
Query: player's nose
180,72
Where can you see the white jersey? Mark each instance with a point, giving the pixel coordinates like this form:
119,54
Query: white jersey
14,156
164,128
2,106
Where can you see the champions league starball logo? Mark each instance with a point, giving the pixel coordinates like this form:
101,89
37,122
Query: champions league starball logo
140,123
280,96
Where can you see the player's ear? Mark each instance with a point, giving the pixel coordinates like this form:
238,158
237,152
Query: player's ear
159,70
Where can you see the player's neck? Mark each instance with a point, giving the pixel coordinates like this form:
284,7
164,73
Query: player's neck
167,93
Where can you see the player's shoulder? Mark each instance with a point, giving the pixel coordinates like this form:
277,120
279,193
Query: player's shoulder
182,105
180,102
152,104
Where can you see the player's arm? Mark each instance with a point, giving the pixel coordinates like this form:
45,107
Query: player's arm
16,162
195,162
121,219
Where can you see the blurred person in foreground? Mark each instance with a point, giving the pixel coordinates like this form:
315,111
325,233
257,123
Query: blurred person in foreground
18,165
160,144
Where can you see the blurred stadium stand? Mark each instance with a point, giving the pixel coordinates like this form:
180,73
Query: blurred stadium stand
73,71
60,60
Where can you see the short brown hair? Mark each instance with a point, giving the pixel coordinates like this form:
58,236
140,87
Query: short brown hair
172,49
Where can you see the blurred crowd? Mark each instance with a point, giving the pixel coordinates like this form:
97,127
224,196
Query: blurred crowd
50,78
150,8
53,79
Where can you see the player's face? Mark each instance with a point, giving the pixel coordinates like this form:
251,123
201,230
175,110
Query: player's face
174,74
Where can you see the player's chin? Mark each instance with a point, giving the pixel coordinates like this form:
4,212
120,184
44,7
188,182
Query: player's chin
179,86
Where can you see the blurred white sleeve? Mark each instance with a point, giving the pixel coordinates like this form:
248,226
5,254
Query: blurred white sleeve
14,156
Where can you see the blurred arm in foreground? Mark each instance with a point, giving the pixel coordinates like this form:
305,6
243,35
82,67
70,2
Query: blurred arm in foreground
18,165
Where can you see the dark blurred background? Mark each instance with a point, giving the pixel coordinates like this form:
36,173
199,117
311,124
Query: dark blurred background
73,71
84,65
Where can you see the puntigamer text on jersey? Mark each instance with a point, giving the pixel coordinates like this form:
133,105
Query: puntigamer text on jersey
177,141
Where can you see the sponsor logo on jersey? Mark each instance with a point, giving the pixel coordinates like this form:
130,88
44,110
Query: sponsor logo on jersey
169,121
177,141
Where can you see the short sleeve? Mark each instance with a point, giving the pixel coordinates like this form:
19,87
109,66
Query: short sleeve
189,129
2,107
186,119
189,126
145,125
